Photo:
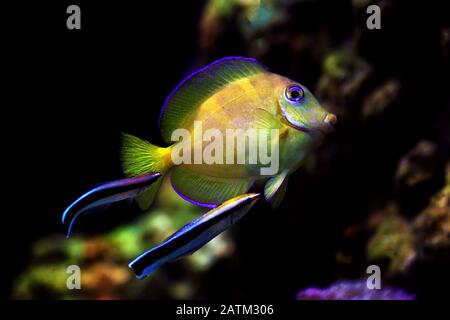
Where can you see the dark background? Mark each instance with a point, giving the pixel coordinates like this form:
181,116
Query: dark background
72,93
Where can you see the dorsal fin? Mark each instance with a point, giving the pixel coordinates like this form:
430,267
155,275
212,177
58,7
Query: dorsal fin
199,86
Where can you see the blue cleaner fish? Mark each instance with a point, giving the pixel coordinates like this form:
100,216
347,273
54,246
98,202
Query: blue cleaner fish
233,93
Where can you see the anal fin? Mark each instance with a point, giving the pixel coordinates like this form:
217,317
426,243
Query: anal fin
204,190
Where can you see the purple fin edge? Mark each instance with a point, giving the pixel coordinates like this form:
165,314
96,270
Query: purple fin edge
199,71
201,204
195,202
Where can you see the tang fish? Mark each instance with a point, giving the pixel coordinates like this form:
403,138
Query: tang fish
232,93
228,99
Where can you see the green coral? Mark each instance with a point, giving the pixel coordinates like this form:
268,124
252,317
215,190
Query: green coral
393,241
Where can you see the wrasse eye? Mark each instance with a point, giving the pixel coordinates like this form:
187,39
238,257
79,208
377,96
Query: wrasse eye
294,93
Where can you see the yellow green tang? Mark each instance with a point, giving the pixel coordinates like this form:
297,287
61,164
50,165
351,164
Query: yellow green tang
229,126
230,94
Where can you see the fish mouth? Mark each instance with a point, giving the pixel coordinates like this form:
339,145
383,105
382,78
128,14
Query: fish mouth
329,122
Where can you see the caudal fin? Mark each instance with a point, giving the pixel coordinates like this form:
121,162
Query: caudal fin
141,157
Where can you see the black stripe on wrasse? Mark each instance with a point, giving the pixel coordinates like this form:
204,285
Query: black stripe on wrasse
189,233
107,193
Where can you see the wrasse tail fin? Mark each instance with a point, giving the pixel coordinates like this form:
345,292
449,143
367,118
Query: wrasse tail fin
107,194
141,157
194,235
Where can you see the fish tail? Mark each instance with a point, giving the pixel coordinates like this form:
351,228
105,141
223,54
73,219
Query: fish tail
141,157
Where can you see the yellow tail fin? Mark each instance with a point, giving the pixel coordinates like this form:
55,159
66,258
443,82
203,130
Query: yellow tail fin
140,157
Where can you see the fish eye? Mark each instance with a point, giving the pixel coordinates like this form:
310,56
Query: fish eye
294,93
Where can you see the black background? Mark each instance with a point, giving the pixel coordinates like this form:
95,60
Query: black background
71,93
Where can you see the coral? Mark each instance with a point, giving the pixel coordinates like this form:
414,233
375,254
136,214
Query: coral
353,290
432,226
344,72
418,165
381,98
394,241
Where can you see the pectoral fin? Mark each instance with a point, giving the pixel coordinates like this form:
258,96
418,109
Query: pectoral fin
265,120
275,189
194,235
